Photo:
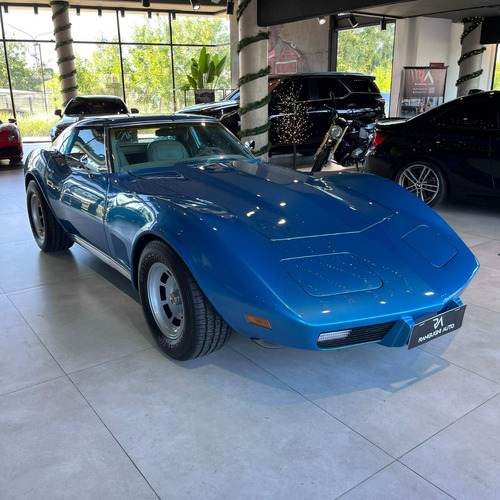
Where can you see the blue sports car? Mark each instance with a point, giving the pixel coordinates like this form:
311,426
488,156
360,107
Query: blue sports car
215,240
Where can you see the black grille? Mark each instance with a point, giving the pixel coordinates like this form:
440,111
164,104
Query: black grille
358,335
9,151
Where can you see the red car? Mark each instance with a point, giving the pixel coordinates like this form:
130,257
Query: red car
11,144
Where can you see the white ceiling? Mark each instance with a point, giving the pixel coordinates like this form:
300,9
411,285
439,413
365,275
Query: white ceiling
456,10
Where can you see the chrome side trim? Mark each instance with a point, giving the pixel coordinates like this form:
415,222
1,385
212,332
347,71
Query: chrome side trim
102,256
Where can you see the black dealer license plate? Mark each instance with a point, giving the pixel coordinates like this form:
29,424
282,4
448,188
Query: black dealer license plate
436,326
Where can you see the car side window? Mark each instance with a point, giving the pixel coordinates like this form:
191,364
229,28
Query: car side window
299,85
328,86
474,115
88,146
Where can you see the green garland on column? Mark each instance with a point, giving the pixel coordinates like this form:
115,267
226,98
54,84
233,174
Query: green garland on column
261,35
64,7
475,23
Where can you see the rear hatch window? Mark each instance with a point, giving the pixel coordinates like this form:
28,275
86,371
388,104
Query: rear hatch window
358,84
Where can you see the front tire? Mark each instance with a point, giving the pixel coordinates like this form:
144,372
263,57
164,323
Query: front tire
48,234
185,324
321,160
423,179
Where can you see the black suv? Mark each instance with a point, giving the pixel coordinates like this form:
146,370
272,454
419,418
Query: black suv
352,94
86,106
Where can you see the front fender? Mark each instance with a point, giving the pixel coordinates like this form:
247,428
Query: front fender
235,266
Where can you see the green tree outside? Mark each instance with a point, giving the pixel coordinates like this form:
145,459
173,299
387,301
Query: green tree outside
368,50
147,62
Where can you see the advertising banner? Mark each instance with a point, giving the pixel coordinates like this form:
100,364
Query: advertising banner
422,89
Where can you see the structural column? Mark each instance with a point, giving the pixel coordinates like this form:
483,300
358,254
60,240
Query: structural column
64,48
253,81
470,62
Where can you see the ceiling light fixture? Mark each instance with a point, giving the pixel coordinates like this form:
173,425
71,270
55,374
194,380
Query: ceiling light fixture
146,4
230,7
35,9
321,20
352,20
195,4
99,12
78,11
383,24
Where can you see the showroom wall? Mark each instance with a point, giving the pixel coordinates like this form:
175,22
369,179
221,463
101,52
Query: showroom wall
308,39
421,41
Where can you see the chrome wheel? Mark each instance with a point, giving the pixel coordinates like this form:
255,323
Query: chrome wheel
37,217
181,318
48,233
423,180
165,301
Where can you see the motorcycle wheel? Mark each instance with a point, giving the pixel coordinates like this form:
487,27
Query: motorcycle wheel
320,160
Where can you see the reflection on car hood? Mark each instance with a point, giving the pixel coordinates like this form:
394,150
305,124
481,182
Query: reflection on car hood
277,202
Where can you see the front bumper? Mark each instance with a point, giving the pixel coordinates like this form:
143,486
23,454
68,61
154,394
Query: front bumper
389,334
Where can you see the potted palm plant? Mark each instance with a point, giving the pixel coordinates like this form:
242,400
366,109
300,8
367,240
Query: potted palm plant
204,74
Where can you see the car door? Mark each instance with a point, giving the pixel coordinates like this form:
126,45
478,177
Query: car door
328,93
299,86
83,189
495,150
461,139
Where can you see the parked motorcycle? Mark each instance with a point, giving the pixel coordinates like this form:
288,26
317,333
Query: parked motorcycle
345,143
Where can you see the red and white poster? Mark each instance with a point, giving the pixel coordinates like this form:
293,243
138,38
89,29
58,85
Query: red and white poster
423,89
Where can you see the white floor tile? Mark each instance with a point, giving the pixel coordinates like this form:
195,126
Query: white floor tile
84,322
464,459
395,482
223,428
24,360
54,446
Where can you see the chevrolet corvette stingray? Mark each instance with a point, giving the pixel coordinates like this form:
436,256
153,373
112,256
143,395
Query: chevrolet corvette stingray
216,240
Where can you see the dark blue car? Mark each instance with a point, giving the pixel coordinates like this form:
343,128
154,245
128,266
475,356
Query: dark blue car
215,240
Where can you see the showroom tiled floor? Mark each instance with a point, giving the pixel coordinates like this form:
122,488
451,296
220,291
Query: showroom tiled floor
89,408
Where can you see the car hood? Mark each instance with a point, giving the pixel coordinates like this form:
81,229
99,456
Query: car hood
278,203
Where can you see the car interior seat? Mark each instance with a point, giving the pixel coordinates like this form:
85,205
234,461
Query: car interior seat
120,160
166,149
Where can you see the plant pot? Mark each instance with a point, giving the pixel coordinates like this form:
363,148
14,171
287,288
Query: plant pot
204,95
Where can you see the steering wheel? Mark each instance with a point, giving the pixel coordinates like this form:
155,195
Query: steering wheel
209,151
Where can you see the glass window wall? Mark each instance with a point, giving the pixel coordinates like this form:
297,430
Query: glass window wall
139,57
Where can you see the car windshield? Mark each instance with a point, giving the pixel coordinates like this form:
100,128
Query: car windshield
165,144
95,108
232,96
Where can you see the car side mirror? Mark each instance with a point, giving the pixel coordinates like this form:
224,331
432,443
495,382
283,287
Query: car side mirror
134,110
250,145
58,112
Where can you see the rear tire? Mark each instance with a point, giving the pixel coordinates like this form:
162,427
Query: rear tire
185,324
425,180
48,233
